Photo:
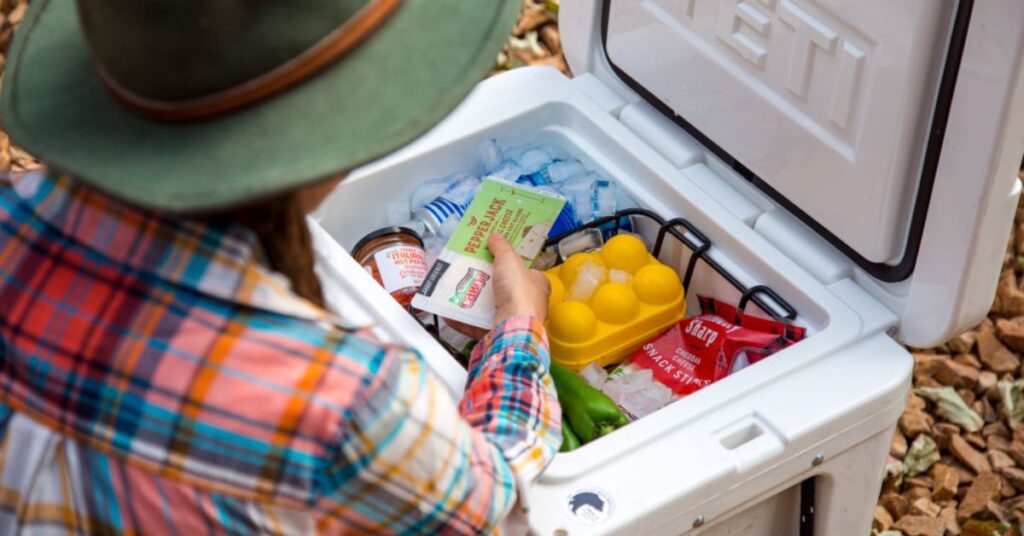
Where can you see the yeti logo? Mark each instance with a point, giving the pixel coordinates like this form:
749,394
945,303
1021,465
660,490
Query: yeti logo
589,506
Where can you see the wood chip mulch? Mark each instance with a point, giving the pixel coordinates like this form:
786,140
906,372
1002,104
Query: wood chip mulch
11,158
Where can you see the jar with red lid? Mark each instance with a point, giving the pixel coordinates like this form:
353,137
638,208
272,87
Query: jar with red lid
394,256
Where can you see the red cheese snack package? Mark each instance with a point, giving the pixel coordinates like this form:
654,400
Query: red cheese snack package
700,350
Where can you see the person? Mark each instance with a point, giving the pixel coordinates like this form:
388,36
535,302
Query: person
166,359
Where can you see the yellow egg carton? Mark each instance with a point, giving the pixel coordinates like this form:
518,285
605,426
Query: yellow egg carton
605,304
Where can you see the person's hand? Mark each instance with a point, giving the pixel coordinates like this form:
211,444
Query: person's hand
517,290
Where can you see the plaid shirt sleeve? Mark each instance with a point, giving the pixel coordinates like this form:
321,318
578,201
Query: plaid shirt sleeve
411,460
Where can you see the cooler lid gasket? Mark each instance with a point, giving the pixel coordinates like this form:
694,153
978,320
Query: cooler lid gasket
881,271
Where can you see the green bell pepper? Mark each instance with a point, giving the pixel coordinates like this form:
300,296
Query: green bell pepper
569,439
589,411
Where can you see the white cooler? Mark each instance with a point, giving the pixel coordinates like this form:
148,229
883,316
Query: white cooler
856,159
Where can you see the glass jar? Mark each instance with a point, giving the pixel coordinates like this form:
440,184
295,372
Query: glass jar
394,256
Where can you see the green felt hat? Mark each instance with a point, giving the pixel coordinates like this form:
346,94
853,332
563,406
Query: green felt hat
194,106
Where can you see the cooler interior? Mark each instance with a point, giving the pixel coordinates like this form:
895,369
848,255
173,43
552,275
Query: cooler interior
667,216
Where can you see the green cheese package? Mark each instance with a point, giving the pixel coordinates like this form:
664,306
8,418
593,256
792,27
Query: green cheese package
458,285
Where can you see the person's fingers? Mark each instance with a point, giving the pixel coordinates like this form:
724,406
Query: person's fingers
501,249
541,281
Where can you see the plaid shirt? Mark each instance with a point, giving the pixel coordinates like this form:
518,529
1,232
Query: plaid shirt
156,378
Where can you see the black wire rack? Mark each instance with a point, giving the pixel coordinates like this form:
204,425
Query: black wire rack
682,231
700,246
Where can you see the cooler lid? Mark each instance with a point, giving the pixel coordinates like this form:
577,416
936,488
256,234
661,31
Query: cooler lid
828,103
842,111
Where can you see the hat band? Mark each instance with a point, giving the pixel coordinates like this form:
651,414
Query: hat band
310,62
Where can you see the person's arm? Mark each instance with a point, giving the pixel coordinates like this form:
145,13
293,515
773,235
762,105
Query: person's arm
409,459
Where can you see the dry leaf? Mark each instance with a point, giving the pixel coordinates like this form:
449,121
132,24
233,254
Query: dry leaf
951,407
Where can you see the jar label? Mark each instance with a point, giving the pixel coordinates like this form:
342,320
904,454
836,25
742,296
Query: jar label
400,267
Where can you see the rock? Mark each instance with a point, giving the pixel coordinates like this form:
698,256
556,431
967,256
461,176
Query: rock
1011,332
966,475
895,504
920,481
986,381
968,359
532,19
942,431
945,480
914,493
919,526
949,372
1009,299
551,38
976,527
987,411
925,507
924,365
1006,490
973,459
1016,450
966,395
882,520
1016,503
999,460
962,343
994,512
1015,476
984,489
949,523
994,355
898,449
997,429
976,441
915,422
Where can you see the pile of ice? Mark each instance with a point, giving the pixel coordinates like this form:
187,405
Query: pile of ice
436,205
637,393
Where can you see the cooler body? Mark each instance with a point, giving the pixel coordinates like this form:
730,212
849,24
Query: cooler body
849,165
815,408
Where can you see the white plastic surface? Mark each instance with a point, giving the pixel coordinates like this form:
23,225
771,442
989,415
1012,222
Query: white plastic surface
828,102
745,437
753,113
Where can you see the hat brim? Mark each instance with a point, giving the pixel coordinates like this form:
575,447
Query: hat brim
392,88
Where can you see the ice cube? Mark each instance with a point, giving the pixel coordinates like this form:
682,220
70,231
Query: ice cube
588,278
556,152
508,170
618,386
490,154
624,200
565,170
582,241
397,212
642,402
448,227
546,259
426,192
432,246
603,198
595,375
620,276
533,159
